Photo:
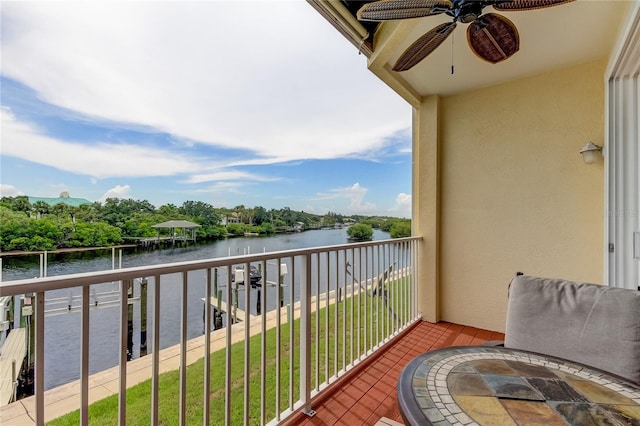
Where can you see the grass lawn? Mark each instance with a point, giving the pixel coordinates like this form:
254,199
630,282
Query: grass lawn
371,321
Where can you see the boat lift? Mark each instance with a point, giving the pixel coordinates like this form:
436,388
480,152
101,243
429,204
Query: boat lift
238,279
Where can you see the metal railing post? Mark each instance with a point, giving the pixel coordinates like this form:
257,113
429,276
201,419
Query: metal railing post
305,335
84,358
183,350
39,364
122,375
155,353
207,345
247,341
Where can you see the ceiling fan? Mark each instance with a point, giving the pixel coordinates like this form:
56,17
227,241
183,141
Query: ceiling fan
492,37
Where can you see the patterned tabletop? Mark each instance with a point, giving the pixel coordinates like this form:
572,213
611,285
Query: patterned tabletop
478,385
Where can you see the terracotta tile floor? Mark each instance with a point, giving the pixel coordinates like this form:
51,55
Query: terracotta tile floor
368,394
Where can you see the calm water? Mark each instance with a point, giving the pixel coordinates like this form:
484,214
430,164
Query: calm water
62,331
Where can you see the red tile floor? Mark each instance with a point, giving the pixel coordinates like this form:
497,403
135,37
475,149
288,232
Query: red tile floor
369,393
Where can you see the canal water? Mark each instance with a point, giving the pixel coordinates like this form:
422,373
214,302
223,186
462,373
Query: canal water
62,329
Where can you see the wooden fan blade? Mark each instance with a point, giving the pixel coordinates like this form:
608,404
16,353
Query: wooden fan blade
493,38
424,46
386,10
528,4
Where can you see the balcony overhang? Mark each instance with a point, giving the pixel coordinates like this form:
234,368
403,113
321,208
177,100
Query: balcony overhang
550,38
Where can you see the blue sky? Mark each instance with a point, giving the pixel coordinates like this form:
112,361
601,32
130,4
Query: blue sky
227,102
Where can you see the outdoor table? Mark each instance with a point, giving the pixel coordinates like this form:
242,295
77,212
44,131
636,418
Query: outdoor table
495,385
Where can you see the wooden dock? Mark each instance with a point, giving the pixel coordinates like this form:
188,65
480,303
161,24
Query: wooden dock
152,242
14,349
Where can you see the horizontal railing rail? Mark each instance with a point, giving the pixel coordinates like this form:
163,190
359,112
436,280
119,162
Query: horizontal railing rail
303,319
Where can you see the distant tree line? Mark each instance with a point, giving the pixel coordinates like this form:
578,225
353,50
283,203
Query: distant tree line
40,226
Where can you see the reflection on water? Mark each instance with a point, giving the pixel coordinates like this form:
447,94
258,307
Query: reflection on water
62,332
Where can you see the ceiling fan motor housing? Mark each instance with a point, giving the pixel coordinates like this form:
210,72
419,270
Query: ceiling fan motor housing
466,11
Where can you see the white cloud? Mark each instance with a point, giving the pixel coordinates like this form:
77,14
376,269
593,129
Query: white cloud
328,195
9,190
273,78
118,191
355,194
403,205
222,188
99,160
235,175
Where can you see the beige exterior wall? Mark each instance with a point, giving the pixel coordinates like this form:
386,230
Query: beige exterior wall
515,194
426,202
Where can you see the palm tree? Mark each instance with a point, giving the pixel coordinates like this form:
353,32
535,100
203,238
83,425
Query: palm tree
41,208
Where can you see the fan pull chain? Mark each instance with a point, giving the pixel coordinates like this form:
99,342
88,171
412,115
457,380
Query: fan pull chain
453,37
362,40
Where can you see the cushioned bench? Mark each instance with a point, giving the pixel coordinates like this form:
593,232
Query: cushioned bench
592,324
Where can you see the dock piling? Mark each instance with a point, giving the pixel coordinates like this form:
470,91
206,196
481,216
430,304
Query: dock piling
218,312
14,380
284,270
129,284
143,316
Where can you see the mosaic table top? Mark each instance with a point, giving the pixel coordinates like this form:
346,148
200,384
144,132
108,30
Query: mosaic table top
480,385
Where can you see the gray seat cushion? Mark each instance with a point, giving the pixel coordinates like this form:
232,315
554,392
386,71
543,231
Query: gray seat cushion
592,324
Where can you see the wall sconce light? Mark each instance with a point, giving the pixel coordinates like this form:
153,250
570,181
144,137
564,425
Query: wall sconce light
591,153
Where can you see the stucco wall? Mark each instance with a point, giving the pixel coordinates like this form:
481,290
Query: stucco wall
515,194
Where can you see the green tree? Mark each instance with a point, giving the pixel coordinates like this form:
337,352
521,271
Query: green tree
88,212
248,216
235,228
400,229
82,236
266,228
39,243
67,228
19,243
145,230
95,235
116,211
62,210
279,224
360,231
375,222
41,208
21,204
6,202
200,212
261,215
329,219
169,212
13,225
245,214
106,235
144,206
48,231
288,216
386,225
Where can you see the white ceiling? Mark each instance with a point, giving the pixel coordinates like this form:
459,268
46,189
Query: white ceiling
555,37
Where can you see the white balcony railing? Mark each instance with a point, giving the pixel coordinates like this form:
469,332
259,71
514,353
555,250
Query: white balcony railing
324,310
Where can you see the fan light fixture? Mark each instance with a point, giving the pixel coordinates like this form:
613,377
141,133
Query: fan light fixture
591,153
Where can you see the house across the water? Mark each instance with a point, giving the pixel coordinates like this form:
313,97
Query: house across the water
63,198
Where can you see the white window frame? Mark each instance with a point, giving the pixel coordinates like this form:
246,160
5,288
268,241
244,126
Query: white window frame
622,158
